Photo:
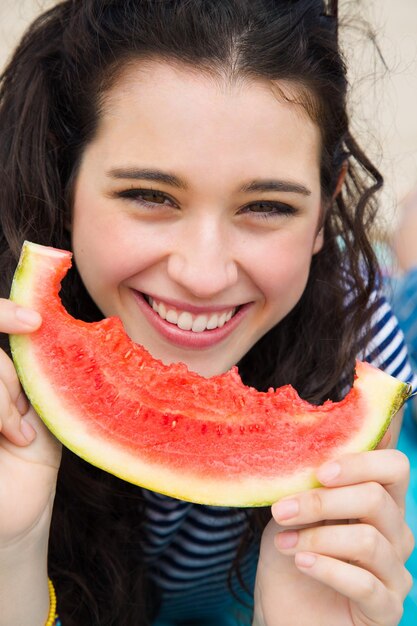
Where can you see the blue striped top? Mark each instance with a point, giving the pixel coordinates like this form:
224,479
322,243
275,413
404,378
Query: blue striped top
190,548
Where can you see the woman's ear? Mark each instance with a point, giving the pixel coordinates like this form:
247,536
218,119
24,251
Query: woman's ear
318,242
340,180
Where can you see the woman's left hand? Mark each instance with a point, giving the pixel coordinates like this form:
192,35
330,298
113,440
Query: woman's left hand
335,555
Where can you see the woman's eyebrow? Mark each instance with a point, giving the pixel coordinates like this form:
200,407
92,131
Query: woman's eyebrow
272,184
158,176
148,174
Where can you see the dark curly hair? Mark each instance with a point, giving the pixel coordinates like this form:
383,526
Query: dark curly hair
51,95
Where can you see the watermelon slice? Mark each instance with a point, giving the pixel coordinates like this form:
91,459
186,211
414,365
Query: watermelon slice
211,441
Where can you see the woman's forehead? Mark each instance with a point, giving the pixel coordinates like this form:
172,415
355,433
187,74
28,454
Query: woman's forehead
138,74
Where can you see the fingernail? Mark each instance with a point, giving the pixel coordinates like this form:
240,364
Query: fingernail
305,559
28,317
285,509
27,430
328,472
288,539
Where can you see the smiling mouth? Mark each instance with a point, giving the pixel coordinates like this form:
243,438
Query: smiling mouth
185,320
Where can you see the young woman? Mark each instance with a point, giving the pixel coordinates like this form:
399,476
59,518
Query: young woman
196,157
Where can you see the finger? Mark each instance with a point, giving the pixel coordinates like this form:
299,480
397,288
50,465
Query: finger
390,468
360,544
10,379
367,502
372,600
12,425
17,319
13,405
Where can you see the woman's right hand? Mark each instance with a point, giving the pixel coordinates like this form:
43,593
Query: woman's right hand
29,454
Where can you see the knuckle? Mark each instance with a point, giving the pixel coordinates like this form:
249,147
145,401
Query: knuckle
367,586
377,497
368,544
397,609
409,541
408,582
402,465
314,538
4,399
316,502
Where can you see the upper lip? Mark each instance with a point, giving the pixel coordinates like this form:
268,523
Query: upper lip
192,308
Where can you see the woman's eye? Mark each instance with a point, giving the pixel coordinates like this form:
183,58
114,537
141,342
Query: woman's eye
269,209
147,197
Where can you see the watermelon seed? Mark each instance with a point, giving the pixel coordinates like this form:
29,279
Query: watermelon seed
174,423
127,355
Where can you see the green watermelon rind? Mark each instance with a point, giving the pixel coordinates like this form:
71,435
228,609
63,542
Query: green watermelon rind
384,394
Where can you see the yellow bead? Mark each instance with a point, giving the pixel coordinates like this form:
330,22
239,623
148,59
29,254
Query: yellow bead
52,605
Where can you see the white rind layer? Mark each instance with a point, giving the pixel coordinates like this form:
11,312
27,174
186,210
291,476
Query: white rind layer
382,394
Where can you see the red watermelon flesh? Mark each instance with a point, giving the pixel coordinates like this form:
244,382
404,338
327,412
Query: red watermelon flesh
213,441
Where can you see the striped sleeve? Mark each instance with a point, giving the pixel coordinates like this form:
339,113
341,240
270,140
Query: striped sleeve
404,303
387,348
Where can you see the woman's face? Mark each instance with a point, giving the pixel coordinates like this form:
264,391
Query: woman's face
197,211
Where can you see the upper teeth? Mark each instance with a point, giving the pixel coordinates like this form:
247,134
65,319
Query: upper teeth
188,321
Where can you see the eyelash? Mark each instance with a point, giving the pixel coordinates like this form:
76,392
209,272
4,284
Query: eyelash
138,195
272,209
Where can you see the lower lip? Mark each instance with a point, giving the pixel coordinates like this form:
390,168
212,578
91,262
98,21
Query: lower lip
187,338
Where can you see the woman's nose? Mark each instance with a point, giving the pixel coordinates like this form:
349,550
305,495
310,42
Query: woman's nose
203,263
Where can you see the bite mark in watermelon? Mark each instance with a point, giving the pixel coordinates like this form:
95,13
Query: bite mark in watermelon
165,428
